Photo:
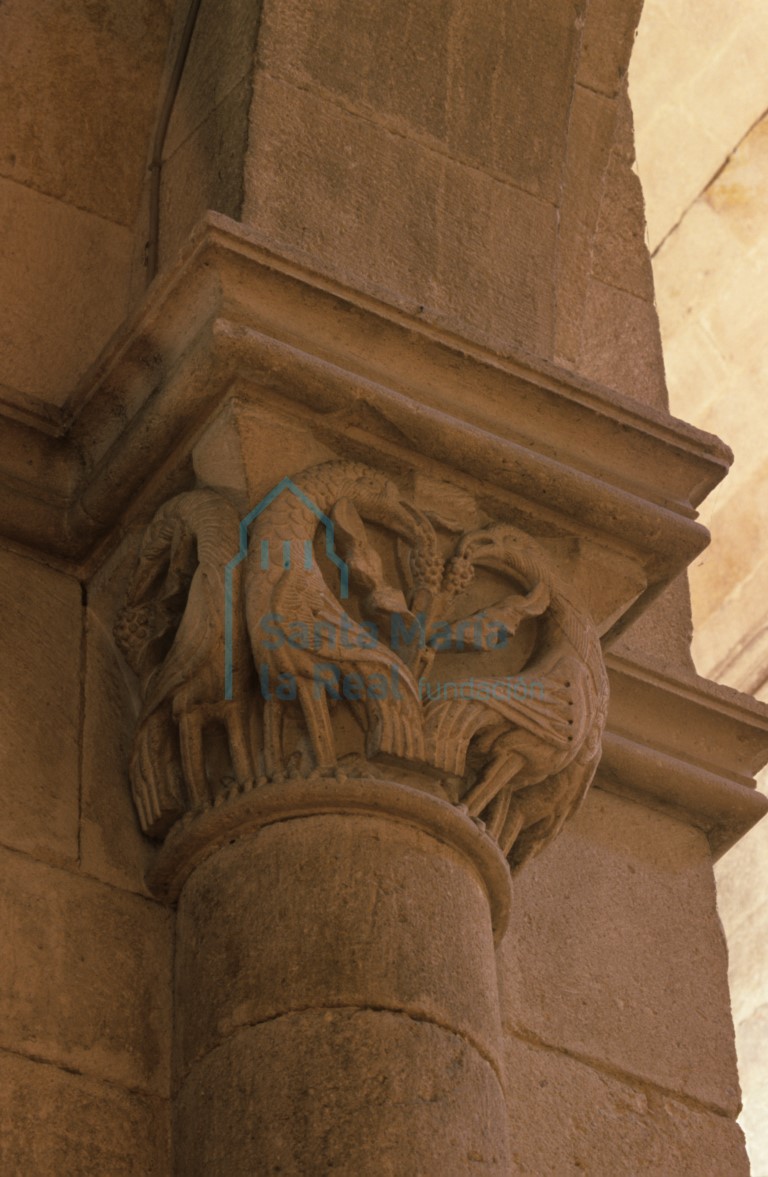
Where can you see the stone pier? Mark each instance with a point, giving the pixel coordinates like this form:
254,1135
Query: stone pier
361,800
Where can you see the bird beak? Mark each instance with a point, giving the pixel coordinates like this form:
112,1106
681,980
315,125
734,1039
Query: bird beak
386,600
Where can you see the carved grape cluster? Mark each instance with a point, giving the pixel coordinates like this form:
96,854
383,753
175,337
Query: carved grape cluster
427,570
459,575
134,627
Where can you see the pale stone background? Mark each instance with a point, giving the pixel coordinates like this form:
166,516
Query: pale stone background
699,88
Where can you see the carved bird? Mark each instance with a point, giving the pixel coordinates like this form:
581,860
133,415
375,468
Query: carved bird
301,636
172,634
533,751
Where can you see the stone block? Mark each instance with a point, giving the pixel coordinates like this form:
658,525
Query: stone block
621,344
219,60
205,172
40,711
735,317
615,952
392,218
590,140
87,975
620,256
515,69
567,1119
347,1091
739,876
607,42
661,636
71,73
112,846
468,77
332,911
495,262
53,1123
390,59
48,340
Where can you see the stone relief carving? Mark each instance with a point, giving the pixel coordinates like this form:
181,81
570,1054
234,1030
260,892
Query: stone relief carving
368,637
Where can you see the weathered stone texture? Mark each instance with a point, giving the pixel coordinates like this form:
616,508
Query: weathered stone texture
591,128
53,1122
94,67
622,344
40,652
206,143
47,340
615,952
331,911
88,977
439,237
567,1119
607,42
78,101
112,846
205,171
219,60
346,1091
453,75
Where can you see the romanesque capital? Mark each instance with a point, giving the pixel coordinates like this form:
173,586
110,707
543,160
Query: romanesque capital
340,630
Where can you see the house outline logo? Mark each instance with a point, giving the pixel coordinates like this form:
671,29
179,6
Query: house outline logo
285,484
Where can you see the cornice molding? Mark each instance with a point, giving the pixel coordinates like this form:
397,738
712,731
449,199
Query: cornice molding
686,746
235,315
235,320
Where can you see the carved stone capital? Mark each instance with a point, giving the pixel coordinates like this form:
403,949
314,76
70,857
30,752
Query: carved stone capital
341,629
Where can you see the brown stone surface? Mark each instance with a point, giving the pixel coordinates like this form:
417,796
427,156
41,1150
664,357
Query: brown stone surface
40,712
590,136
662,636
464,248
622,345
47,341
219,60
620,256
455,76
360,1093
590,1121
615,952
417,153
607,42
112,846
330,911
77,99
78,102
54,1122
87,983
205,172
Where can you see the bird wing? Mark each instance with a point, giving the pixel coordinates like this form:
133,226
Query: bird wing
198,645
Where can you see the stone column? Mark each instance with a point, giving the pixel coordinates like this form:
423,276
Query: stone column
336,992
341,761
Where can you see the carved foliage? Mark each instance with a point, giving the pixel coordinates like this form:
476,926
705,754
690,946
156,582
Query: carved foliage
366,632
